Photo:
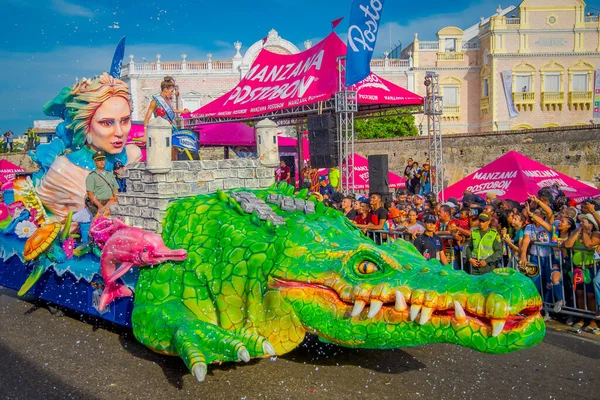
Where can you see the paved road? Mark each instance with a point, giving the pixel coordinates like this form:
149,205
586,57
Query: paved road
48,357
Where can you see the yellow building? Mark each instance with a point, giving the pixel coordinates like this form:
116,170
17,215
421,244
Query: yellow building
547,51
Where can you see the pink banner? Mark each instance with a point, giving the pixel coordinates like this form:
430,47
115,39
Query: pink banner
277,82
514,176
8,171
282,81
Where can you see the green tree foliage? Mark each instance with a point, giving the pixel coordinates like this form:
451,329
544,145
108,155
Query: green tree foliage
386,127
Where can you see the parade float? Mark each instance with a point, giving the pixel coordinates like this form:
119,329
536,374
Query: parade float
212,262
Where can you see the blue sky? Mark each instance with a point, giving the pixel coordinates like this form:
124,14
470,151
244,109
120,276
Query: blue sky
46,44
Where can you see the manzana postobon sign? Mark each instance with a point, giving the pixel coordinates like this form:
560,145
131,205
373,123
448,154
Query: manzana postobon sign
365,18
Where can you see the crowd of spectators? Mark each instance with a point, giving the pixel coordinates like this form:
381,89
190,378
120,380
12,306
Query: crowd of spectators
548,238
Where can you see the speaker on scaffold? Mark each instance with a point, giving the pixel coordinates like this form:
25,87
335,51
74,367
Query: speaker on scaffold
322,135
378,174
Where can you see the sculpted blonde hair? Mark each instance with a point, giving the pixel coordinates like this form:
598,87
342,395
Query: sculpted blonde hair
87,96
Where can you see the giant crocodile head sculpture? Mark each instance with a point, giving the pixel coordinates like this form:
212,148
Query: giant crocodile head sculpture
264,268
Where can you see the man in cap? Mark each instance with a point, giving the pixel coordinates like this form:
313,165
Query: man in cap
101,185
325,188
484,249
428,244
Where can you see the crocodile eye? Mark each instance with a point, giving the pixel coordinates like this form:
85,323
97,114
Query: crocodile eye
367,267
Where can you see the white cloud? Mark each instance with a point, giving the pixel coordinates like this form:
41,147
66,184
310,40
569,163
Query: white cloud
66,8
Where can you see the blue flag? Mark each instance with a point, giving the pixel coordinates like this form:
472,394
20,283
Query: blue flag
117,61
365,17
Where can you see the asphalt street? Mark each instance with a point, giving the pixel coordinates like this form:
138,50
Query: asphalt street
43,356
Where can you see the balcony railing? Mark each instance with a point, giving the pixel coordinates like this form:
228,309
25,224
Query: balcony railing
591,18
451,113
524,100
429,45
395,63
471,46
513,21
450,56
580,100
553,100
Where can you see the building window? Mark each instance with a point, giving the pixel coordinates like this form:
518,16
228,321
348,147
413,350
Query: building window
523,86
580,82
450,45
523,83
486,88
580,86
450,101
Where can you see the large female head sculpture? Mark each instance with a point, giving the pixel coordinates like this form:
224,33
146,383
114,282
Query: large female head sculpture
99,112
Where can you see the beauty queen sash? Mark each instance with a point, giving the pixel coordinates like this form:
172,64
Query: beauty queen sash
165,106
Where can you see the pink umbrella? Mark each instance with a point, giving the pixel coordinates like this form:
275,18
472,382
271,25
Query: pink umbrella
514,176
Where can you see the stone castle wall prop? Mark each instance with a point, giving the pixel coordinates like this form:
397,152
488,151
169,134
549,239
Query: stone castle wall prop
148,195
574,151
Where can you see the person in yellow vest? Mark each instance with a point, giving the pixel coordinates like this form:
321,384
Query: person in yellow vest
334,178
484,250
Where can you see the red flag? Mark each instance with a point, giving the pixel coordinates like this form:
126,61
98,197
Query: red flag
336,23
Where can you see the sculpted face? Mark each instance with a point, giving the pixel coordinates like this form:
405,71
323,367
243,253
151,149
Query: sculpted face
110,126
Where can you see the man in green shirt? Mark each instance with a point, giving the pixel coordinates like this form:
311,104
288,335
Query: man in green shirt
101,185
334,178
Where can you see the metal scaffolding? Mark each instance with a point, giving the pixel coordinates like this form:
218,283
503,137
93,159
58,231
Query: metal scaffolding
346,105
433,108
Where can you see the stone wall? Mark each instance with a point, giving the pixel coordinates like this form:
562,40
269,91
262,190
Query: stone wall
148,195
574,151
21,159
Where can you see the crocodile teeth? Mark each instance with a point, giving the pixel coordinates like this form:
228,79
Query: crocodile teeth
400,301
426,313
459,312
359,305
414,311
497,327
374,308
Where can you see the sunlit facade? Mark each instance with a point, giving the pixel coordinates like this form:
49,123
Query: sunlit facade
548,50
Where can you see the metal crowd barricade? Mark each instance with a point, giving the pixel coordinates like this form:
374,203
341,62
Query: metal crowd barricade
579,303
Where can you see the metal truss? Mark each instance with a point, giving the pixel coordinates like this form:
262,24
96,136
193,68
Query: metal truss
286,117
433,109
346,105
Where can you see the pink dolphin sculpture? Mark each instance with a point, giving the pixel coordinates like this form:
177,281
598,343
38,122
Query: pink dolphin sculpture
128,247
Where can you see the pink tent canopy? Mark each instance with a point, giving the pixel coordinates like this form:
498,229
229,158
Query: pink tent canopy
8,171
514,176
280,81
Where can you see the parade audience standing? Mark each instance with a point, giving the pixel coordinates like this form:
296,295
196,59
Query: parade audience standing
429,244
415,178
348,208
427,179
583,260
412,225
8,141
